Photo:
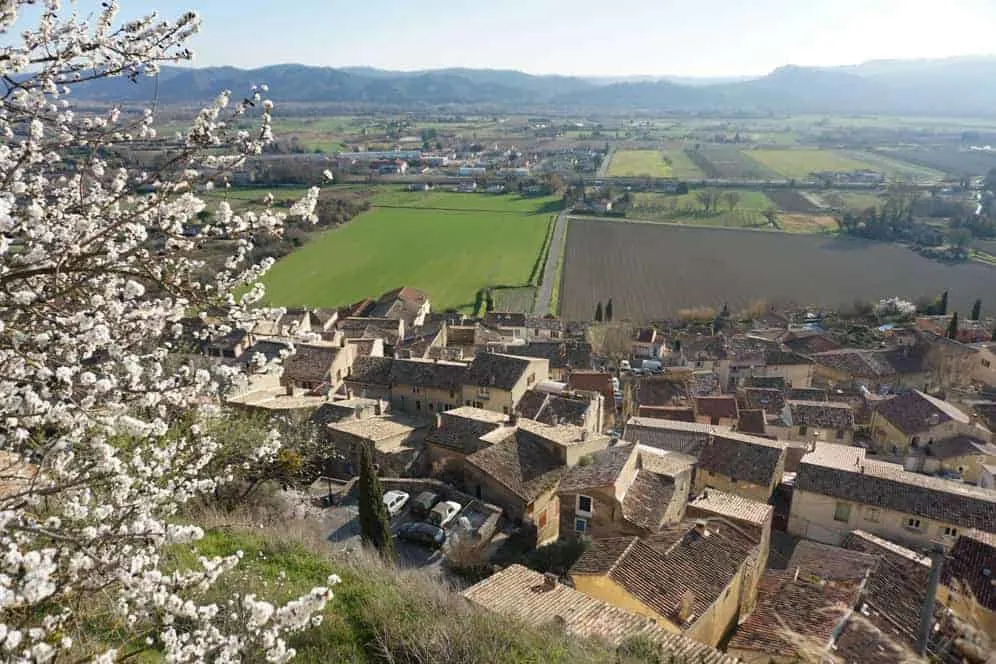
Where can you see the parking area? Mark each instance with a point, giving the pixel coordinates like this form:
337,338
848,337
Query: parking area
474,519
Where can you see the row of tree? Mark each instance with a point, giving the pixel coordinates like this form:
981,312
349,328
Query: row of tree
603,314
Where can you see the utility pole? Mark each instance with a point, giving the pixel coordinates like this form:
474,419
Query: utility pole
927,610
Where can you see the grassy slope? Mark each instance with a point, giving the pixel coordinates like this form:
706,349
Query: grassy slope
383,615
450,254
800,163
629,163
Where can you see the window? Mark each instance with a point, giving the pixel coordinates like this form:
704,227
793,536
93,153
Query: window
483,392
803,429
530,379
842,512
872,514
467,402
840,434
948,531
418,405
913,523
580,525
504,409
452,394
584,505
986,363
541,522
414,389
432,406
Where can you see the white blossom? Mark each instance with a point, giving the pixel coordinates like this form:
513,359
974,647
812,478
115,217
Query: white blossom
98,269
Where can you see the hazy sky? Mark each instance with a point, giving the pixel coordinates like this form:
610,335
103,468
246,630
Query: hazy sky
693,38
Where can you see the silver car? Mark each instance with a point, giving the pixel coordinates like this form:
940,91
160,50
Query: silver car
395,501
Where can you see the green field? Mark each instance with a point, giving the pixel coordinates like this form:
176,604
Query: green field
800,163
451,254
686,209
637,163
449,200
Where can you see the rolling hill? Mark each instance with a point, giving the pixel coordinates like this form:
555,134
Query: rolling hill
953,86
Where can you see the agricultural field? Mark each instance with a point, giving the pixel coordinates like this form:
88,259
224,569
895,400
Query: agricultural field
800,163
651,271
688,209
727,161
853,200
478,202
893,168
639,163
791,201
449,253
955,162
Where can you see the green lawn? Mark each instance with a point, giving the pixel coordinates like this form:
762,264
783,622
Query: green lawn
449,254
635,163
686,209
800,163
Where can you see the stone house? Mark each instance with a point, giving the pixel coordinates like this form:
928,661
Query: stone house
390,330
967,585
626,489
582,409
315,368
964,455
426,386
984,365
745,465
521,467
717,411
396,442
796,369
839,490
370,377
744,512
677,413
670,435
458,433
600,382
563,356
541,328
988,478
689,578
511,326
914,420
826,421
648,344
541,600
706,352
497,382
896,368
407,304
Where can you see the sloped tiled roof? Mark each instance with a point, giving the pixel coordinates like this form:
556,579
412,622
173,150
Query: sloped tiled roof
603,470
372,370
553,408
811,611
561,354
593,381
461,428
742,458
523,593
752,421
504,319
807,394
719,407
661,391
810,344
310,363
784,358
767,399
677,413
957,446
498,370
973,553
822,414
914,412
731,505
849,476
816,561
429,374
661,569
647,499
525,467
766,382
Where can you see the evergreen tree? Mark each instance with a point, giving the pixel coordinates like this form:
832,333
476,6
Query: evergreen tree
953,327
942,305
598,312
374,521
725,313
977,310
608,311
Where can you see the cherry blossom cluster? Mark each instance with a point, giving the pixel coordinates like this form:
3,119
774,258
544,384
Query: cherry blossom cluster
100,437
895,306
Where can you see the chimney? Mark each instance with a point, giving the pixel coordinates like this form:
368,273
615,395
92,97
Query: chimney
358,412
377,408
685,607
702,527
584,434
549,581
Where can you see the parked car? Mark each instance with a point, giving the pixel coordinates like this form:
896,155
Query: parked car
423,533
444,512
423,503
395,501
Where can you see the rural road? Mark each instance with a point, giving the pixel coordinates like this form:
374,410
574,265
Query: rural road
544,293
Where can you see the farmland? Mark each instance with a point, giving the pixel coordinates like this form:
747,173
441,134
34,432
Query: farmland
632,163
800,163
727,161
686,208
949,160
790,200
651,271
450,253
448,200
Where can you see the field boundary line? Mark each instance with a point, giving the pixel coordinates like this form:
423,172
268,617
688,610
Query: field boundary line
449,209
675,224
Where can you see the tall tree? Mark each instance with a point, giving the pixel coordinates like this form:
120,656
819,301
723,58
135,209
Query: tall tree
598,312
977,310
608,311
953,326
374,528
942,305
732,199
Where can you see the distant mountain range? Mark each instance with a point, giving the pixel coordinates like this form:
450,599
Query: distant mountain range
951,86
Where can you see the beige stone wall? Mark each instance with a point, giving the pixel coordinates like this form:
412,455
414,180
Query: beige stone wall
980,371
797,375
704,479
970,466
607,590
812,516
712,626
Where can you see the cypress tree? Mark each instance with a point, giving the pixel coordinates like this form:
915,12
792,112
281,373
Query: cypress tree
608,311
977,310
942,305
374,522
953,327
598,312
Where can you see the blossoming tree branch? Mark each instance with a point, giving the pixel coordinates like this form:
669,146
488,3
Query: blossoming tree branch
98,267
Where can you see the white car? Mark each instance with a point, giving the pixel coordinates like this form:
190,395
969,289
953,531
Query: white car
444,512
395,501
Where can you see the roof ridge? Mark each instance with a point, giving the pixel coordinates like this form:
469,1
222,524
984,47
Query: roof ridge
623,555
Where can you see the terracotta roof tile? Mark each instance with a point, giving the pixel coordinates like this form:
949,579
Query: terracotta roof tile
718,407
602,471
498,370
822,414
525,467
970,557
714,501
768,399
915,412
743,458
647,500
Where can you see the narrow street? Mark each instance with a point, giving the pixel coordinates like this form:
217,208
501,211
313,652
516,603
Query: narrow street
544,293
